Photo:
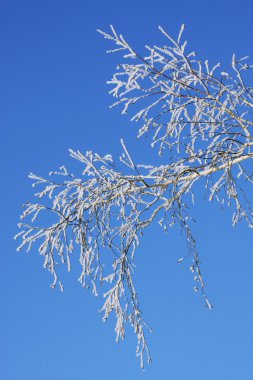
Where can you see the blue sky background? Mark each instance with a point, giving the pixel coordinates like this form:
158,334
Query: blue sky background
53,96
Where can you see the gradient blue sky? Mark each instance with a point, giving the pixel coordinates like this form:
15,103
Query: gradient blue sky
54,96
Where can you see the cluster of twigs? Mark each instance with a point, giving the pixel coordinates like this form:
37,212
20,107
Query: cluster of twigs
199,118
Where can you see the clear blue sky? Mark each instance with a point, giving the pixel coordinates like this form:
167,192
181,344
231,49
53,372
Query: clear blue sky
53,71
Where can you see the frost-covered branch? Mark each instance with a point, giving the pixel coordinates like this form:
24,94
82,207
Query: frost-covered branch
200,120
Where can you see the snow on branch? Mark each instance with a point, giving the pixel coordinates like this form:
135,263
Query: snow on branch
200,120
